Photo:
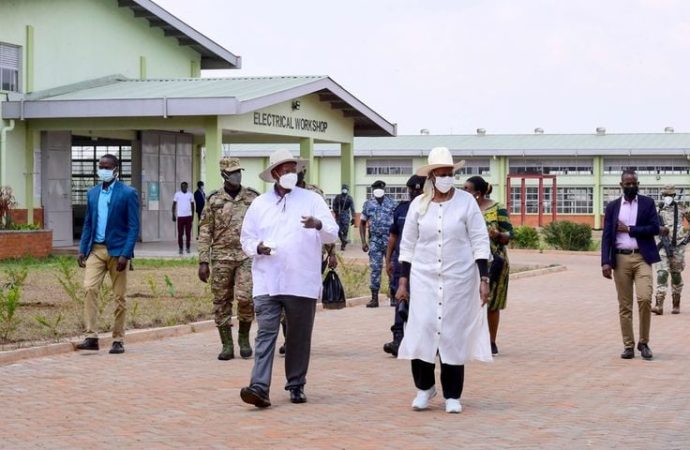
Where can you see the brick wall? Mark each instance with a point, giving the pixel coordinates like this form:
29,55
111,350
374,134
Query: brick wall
533,219
16,244
21,215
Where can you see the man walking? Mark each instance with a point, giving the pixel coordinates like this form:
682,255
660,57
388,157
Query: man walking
199,203
183,205
378,214
344,210
221,256
111,229
283,232
628,251
671,248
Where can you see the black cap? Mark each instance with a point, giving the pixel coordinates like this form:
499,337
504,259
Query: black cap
416,182
378,184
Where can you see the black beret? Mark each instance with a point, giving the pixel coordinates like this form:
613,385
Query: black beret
416,182
378,184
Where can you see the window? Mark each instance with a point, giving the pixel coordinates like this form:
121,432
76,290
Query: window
389,167
397,193
611,193
569,166
10,64
569,200
474,167
85,161
656,166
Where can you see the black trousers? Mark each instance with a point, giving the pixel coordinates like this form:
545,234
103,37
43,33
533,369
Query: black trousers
452,377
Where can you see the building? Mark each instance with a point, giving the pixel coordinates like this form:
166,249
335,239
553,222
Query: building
81,78
582,169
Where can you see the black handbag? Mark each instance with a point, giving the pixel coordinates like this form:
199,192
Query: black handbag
333,296
496,268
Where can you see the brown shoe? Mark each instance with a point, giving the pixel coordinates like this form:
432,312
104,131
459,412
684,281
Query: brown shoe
255,396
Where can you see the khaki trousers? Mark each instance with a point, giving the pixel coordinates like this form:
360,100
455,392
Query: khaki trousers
97,265
632,270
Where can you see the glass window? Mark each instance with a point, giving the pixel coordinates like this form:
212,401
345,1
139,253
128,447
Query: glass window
397,193
474,167
389,166
569,166
84,165
10,66
569,200
647,166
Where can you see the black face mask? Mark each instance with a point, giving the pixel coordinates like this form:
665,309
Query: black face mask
414,194
630,191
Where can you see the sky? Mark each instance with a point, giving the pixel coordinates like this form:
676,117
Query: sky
452,66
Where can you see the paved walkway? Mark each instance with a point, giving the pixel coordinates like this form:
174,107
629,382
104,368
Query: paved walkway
558,383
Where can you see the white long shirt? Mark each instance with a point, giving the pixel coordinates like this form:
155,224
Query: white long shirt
294,267
446,316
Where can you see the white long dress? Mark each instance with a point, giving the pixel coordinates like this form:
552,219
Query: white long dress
446,316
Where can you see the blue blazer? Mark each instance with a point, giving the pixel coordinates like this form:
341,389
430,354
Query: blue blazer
646,227
122,229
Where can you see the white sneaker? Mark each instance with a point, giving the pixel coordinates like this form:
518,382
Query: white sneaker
453,405
421,401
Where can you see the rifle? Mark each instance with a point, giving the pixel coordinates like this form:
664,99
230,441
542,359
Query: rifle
664,241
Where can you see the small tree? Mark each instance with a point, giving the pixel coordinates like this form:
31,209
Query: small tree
7,202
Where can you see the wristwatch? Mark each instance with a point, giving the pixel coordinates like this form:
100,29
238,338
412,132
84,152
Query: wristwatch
484,279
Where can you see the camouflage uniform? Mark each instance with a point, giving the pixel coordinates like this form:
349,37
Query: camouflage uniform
671,216
379,216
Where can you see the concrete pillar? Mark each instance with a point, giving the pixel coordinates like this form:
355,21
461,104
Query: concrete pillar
347,165
30,140
597,200
306,152
214,151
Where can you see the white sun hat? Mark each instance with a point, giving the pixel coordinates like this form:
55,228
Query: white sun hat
439,157
278,157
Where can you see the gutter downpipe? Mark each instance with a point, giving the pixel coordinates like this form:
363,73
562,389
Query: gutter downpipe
3,153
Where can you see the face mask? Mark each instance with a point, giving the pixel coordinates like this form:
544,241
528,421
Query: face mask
414,194
443,184
378,193
668,200
106,175
630,191
233,178
288,181
344,191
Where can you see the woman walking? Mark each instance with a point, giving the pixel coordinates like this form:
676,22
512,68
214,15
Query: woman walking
444,253
500,233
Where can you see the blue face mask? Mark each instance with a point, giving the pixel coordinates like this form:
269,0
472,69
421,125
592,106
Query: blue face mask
106,175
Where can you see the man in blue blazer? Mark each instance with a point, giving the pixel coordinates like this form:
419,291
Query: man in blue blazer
111,228
628,251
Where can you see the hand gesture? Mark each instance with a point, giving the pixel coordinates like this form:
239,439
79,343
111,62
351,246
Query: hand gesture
311,222
261,249
622,228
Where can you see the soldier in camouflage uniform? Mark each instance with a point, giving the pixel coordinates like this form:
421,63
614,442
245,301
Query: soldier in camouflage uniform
378,214
230,269
673,237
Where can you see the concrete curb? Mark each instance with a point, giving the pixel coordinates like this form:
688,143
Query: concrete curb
151,334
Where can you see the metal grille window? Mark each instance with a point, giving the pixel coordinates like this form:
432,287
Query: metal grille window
569,200
389,166
85,163
397,193
656,166
569,166
611,193
474,167
10,65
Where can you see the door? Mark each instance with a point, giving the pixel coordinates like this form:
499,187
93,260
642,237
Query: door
56,182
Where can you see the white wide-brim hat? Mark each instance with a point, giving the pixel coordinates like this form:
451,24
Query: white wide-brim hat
439,157
278,157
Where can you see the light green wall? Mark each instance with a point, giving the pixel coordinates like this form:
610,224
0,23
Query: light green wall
13,162
76,40
329,175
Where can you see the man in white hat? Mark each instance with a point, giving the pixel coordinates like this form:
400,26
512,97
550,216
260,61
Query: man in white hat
283,232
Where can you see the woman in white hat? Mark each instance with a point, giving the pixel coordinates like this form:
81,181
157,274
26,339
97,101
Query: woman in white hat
444,253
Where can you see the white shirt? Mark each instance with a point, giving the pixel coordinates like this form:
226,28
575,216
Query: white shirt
294,267
184,203
446,314
628,215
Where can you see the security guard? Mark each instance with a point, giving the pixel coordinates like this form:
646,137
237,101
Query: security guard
230,269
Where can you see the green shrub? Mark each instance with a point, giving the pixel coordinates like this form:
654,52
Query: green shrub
525,237
566,235
24,226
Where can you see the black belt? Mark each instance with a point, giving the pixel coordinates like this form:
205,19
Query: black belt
626,251
99,243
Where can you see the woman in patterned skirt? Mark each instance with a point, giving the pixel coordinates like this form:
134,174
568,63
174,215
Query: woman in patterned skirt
500,233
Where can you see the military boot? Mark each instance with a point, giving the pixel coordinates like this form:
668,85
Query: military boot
658,308
228,351
676,303
392,346
243,339
374,303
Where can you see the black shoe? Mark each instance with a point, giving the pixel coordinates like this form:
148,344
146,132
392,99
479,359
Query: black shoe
180,251
187,249
281,350
255,396
391,348
628,353
645,351
117,348
88,344
494,348
297,395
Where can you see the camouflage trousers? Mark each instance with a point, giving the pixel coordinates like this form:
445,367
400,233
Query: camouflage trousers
232,280
377,250
673,266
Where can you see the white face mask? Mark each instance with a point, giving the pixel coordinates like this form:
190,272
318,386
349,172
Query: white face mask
106,175
288,181
344,191
443,184
378,193
668,201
